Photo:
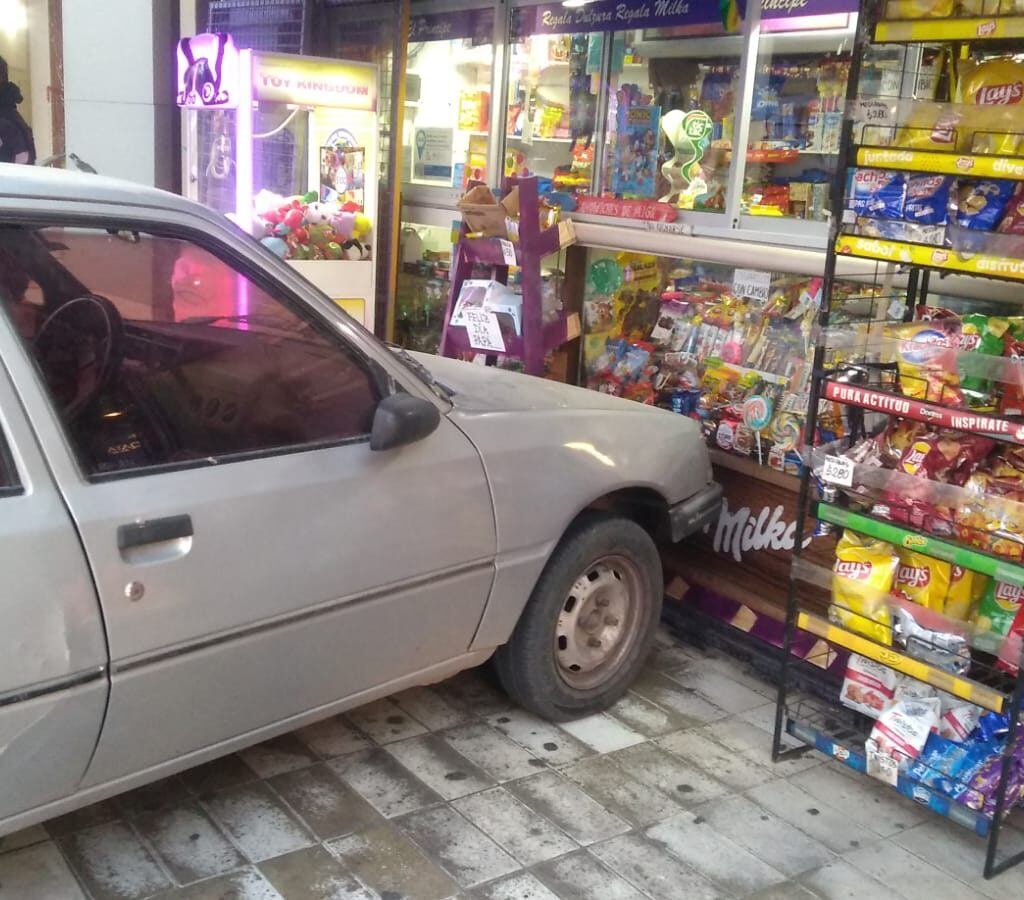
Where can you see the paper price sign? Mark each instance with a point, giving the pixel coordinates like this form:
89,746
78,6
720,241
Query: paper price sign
751,283
838,470
874,112
483,330
508,252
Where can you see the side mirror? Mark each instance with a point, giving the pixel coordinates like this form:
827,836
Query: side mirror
402,419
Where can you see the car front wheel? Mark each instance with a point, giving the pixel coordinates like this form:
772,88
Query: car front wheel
589,623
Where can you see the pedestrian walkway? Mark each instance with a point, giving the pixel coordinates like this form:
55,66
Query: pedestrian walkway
450,791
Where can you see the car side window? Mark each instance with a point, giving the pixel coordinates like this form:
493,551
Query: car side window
155,352
9,483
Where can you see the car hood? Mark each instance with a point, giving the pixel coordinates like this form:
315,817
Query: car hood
476,388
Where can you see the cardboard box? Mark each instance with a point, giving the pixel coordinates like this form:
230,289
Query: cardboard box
483,214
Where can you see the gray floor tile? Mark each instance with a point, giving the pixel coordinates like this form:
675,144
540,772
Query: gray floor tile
476,693
324,802
717,858
440,767
542,739
766,836
731,768
756,744
838,880
645,717
86,817
112,863
949,847
520,886
603,733
716,687
512,825
384,783
812,816
189,844
646,865
742,672
664,692
688,784
907,875
313,874
224,772
788,890
560,801
281,754
332,737
501,757
150,798
580,876
247,884
37,872
616,790
429,708
257,821
34,834
672,654
387,861
464,851
865,803
385,721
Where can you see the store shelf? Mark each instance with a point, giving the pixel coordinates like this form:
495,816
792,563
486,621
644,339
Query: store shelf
930,257
965,688
979,28
909,539
931,413
847,747
960,164
539,140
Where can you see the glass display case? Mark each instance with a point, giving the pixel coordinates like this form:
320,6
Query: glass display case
423,284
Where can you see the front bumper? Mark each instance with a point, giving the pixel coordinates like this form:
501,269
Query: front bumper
695,512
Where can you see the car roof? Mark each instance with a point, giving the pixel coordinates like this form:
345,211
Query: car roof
58,186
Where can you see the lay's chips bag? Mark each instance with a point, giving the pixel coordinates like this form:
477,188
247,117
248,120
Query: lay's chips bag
997,82
861,581
963,594
922,579
996,612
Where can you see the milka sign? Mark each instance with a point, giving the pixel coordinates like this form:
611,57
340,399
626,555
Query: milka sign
742,531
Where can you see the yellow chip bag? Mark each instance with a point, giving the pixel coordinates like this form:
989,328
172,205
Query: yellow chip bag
922,580
929,126
918,9
963,594
997,82
861,581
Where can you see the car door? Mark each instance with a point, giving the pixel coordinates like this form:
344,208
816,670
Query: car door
209,430
53,685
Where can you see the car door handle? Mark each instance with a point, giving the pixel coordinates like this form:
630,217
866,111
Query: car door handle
153,531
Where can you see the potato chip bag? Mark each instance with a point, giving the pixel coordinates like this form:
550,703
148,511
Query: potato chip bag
918,9
861,581
960,598
996,613
922,579
926,360
930,126
992,82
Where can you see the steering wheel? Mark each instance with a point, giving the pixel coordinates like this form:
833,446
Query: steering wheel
79,347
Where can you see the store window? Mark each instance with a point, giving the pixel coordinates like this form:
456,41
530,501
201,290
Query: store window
553,86
671,115
155,351
448,98
796,114
423,284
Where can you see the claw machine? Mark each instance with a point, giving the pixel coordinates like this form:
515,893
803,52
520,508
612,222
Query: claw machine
286,146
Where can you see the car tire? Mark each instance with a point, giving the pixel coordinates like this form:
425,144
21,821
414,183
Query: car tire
589,623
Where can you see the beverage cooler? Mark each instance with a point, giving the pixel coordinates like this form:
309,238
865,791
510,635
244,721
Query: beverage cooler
286,146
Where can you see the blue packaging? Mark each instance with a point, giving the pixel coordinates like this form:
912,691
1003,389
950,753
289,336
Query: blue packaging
927,199
878,194
980,204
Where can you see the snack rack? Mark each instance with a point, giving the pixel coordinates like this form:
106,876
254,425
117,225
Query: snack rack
537,338
844,489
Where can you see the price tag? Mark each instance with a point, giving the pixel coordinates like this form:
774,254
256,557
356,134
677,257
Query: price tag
751,283
483,330
874,112
838,470
508,251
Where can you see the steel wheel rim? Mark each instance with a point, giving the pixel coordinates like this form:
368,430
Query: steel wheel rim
597,624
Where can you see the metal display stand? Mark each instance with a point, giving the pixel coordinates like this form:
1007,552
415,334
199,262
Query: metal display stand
868,391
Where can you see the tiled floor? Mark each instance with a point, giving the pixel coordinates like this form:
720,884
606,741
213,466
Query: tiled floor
450,791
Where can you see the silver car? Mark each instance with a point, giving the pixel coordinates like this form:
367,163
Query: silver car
226,510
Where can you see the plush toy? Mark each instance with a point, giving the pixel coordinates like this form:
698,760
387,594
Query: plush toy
275,245
317,214
344,225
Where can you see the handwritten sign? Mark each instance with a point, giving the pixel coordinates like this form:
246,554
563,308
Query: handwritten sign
508,252
838,470
483,330
751,283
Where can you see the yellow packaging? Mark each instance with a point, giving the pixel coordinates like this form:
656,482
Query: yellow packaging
922,579
918,9
997,82
861,580
964,593
991,7
930,126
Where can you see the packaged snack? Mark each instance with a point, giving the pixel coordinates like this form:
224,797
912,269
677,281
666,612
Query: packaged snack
1009,652
949,456
996,613
929,126
979,205
926,360
918,9
922,579
897,230
957,722
927,199
981,334
944,649
899,736
993,82
960,598
878,194
868,686
861,581
1013,218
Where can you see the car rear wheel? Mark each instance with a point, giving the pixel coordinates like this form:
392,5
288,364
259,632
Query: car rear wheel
589,623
